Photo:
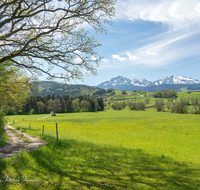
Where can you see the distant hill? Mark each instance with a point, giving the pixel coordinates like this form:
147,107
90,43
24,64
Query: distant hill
170,82
48,87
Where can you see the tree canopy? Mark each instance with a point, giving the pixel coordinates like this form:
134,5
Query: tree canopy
14,87
41,35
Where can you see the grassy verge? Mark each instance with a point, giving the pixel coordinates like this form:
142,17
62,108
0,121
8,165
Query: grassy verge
72,164
4,140
20,136
109,150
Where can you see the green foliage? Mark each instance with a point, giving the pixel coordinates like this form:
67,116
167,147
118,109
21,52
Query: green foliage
180,106
197,109
136,106
165,94
134,90
123,91
195,100
51,33
147,100
14,87
32,111
159,104
117,106
2,130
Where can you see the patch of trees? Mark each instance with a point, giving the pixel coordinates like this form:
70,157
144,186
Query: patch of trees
165,94
141,92
123,91
47,104
136,106
180,106
47,87
119,105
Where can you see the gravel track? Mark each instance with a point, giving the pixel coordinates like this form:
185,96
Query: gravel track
16,145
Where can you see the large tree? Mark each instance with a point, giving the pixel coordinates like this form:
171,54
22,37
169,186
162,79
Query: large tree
40,35
14,88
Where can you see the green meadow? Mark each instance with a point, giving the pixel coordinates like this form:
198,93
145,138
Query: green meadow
108,150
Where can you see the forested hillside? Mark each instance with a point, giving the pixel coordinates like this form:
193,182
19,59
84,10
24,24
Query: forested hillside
50,88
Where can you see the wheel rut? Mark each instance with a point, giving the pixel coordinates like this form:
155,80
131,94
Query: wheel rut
16,145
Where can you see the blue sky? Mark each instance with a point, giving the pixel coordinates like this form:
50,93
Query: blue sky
150,39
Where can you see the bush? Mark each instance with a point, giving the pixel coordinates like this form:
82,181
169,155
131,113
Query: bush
141,106
136,106
123,91
117,106
147,100
197,109
132,106
159,104
53,113
32,111
179,107
2,129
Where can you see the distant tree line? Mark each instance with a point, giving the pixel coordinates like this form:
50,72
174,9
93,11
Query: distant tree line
165,94
65,104
180,106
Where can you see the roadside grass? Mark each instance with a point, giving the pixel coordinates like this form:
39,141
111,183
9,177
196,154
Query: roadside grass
109,150
20,136
74,164
171,134
5,140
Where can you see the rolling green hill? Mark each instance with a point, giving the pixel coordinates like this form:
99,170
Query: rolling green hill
48,87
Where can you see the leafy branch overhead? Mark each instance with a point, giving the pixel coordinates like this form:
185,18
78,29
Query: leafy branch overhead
44,34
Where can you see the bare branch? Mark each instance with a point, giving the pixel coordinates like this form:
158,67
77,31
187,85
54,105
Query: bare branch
49,32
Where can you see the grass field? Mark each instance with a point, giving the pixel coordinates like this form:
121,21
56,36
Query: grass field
109,150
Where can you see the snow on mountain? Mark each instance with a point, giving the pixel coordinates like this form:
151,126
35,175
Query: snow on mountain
140,82
121,82
174,79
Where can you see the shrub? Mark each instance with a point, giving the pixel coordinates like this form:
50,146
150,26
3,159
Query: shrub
32,111
147,100
197,109
123,91
117,106
53,113
141,106
180,107
159,104
136,106
2,129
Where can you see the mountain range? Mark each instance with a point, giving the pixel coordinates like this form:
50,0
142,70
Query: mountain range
172,81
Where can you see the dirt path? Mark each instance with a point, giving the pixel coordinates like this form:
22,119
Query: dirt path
43,117
15,144
150,107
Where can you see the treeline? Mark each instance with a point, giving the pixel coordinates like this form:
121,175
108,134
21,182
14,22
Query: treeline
180,106
47,104
165,94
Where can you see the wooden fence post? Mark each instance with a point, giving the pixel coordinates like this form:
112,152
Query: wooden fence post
43,130
57,131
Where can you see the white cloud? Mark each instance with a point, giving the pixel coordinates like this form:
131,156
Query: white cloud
118,57
174,13
78,60
131,57
93,58
133,75
77,51
152,54
105,60
176,40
